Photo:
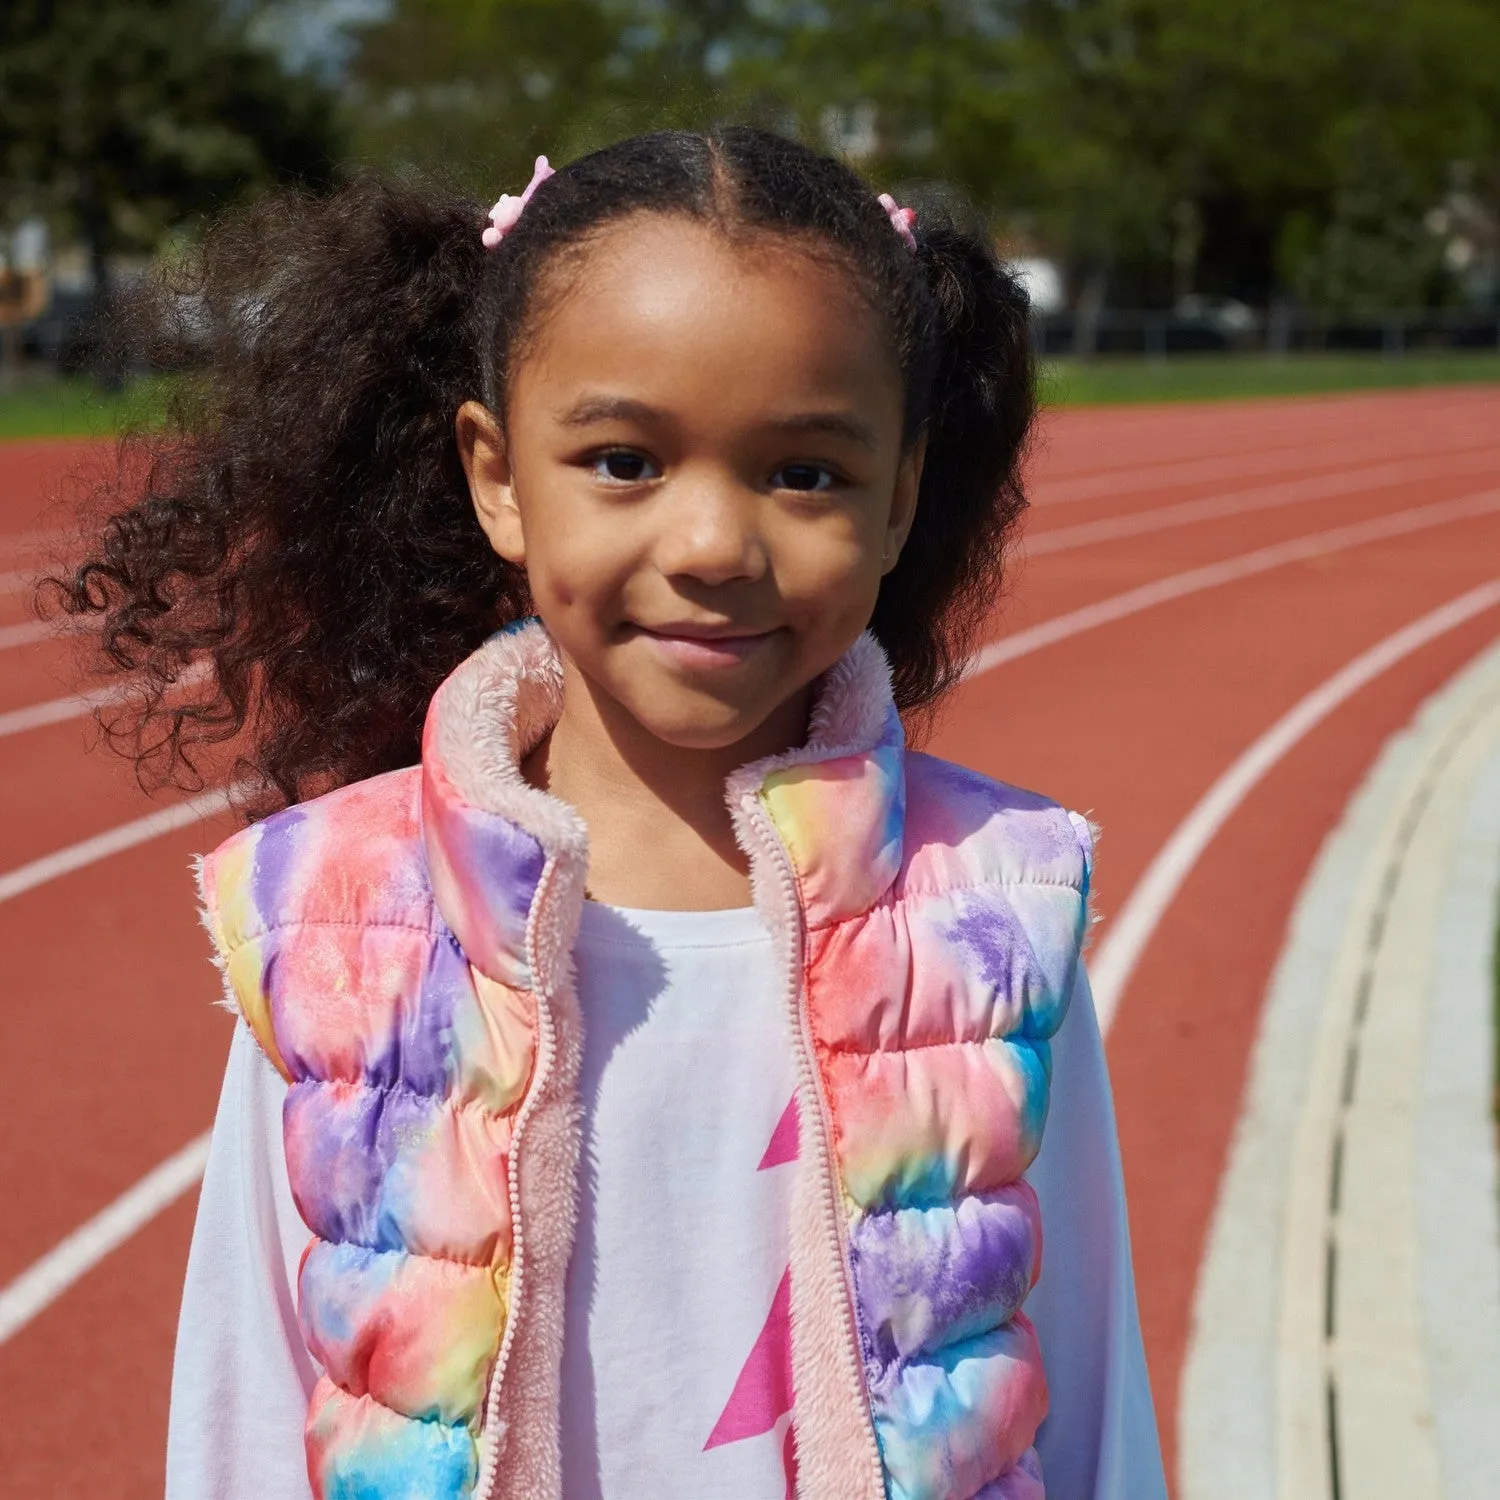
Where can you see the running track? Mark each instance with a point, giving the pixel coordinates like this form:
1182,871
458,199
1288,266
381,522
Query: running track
1191,574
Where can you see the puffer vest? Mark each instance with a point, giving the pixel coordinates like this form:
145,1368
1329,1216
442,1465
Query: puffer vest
401,949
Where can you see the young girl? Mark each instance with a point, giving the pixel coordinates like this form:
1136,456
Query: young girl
642,1048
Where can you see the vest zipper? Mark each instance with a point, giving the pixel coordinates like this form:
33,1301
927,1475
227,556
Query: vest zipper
489,1465
809,1088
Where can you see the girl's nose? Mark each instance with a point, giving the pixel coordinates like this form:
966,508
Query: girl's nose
712,534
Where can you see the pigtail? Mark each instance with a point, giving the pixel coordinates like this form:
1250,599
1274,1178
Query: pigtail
286,574
978,415
294,565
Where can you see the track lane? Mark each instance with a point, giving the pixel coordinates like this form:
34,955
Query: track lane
1114,440
86,1384
1182,690
1066,499
1047,587
58,785
1011,730
111,1050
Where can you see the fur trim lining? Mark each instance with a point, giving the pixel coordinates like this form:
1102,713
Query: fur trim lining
489,715
483,722
1089,833
849,717
208,917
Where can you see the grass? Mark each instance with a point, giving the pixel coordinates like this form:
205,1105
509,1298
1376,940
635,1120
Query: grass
1210,377
75,407
71,407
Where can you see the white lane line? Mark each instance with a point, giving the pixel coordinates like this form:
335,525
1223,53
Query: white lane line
58,710
1135,923
1231,569
76,705
126,836
45,1280
24,634
31,541
1102,484
1252,1407
1134,437
992,656
1261,497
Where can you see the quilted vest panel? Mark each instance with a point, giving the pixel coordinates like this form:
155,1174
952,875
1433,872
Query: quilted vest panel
939,918
406,1068
932,990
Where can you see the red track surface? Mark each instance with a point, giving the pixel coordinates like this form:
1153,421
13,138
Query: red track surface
110,1051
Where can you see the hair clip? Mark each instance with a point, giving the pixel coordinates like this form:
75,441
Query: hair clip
902,219
507,211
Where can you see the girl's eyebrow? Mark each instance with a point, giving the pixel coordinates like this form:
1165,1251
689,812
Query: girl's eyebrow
591,409
835,423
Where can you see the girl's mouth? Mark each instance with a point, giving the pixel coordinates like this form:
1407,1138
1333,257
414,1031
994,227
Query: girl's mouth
700,646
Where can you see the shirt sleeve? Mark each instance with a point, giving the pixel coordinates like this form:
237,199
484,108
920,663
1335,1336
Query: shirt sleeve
1099,1441
242,1376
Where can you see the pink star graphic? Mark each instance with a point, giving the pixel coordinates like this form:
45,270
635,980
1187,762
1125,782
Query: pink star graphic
762,1393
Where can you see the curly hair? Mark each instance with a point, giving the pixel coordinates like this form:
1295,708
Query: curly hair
304,524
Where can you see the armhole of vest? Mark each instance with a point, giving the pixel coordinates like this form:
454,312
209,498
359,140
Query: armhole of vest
229,997
1087,833
208,916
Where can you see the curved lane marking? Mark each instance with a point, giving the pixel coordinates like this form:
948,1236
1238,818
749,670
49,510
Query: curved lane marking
1038,636
1130,931
1230,570
113,840
1254,1402
59,710
1107,484
12,542
76,705
25,633
43,1282
1260,497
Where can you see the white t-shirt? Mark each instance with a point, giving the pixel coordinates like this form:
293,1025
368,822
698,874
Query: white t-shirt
676,1351
675,1360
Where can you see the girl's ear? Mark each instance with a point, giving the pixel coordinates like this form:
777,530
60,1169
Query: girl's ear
904,502
486,460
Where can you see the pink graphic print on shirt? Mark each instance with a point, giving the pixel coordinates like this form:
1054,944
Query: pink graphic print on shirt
762,1392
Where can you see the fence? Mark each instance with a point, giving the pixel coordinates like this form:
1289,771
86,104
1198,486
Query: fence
1233,328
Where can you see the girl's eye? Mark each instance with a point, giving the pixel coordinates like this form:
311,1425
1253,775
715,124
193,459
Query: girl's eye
803,477
623,466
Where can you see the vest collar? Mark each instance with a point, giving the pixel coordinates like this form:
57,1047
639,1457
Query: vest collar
508,862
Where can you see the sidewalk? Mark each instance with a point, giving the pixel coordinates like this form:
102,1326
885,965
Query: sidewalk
1346,1341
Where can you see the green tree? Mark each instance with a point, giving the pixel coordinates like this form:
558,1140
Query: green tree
1247,143
120,119
1162,146
474,89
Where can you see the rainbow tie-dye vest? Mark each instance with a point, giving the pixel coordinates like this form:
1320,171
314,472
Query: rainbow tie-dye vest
401,949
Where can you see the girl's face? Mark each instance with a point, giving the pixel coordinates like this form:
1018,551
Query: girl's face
701,472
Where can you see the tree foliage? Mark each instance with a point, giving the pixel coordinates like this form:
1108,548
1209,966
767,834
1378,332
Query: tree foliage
122,118
1239,146
1246,147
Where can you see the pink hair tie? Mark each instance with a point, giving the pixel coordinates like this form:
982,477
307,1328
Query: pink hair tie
902,219
507,211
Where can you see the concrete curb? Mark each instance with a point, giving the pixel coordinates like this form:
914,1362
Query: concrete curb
1458,1177
1346,1338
